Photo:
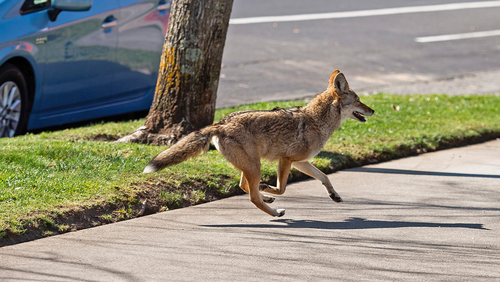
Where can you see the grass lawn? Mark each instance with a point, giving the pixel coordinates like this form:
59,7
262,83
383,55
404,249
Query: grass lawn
55,182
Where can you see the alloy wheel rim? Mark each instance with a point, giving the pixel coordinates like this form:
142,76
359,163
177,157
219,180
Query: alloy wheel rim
10,108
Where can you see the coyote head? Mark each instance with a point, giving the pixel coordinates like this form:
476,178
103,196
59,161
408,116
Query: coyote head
351,106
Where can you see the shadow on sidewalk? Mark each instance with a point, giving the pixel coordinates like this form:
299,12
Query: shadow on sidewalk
351,223
416,172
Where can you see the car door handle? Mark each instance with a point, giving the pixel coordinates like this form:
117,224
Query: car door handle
163,7
108,23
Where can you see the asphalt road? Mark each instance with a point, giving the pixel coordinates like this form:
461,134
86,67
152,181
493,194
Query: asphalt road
433,217
275,60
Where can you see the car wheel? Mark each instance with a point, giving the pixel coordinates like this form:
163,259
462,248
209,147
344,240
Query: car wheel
14,102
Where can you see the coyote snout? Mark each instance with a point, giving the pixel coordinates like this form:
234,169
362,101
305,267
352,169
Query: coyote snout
360,110
289,136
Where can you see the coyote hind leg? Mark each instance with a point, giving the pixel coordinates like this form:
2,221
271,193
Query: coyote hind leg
307,168
252,177
241,158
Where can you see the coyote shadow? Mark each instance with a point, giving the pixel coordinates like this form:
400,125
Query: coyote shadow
418,172
351,223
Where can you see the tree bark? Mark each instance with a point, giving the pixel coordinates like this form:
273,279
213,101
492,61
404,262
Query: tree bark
189,72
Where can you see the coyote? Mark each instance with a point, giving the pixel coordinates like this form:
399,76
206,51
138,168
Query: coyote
290,136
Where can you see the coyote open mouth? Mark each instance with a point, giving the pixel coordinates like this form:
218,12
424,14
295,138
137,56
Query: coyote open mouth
359,116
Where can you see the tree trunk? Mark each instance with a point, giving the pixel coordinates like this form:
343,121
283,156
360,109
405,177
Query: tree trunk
189,72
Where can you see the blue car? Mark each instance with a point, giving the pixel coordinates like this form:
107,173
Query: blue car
63,61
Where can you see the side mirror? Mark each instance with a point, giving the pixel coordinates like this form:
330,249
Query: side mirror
72,5
68,5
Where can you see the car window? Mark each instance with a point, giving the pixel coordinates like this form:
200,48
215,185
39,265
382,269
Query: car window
31,6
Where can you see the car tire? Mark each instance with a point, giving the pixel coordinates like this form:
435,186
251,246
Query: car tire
14,101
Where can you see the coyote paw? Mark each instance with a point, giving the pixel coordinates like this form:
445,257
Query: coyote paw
263,186
336,198
268,199
281,212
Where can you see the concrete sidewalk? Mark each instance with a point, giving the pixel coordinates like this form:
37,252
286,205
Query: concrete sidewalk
434,217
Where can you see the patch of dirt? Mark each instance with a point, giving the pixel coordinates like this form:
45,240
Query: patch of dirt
188,193
102,137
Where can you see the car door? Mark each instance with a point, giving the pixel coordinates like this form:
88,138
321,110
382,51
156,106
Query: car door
142,30
81,59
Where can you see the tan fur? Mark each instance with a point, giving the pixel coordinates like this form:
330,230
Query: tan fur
289,136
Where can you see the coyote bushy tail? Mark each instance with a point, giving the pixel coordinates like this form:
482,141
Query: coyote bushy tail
188,147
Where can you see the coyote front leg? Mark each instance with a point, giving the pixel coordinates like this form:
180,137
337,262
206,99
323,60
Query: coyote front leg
307,168
283,171
244,187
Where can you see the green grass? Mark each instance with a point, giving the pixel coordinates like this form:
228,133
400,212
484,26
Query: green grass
48,176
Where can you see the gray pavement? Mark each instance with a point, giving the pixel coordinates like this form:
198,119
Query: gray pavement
484,82
433,217
293,59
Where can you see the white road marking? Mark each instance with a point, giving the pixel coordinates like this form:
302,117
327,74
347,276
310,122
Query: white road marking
448,37
367,13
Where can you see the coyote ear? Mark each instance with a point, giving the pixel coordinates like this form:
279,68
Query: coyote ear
332,78
340,83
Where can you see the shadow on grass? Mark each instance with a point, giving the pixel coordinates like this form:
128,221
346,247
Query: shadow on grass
351,223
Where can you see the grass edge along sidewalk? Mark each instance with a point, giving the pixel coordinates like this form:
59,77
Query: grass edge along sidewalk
56,182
